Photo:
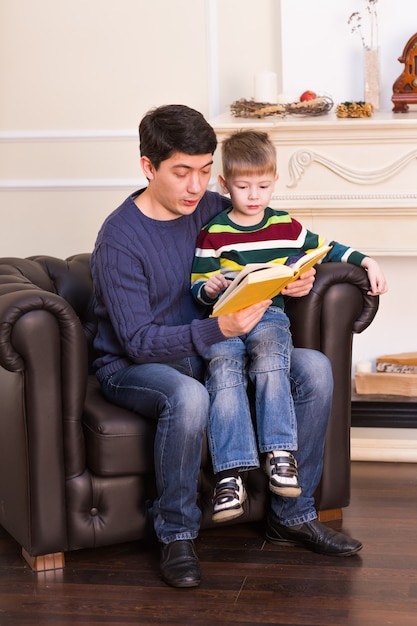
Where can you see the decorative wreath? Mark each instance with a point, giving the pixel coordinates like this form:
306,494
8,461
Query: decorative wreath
250,108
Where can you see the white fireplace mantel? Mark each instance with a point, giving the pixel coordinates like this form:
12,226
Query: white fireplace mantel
354,180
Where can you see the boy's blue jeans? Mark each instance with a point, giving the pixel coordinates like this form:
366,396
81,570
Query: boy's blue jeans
263,356
172,395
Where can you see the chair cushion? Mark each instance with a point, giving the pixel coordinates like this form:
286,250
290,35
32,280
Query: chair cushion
118,442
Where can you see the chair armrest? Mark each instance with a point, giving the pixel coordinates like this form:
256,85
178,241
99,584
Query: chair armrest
339,287
338,273
337,307
43,376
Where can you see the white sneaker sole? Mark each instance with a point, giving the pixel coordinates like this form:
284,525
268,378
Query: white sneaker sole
288,492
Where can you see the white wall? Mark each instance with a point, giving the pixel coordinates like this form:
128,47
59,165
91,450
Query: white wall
98,63
76,77
321,53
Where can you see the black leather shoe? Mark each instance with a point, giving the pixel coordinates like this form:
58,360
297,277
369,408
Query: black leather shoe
312,535
179,564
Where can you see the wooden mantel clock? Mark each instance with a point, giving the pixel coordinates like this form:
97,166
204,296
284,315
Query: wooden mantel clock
405,87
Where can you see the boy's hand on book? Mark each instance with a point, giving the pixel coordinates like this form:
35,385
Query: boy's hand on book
215,285
302,286
241,322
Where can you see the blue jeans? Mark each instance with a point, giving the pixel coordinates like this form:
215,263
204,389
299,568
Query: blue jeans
169,394
312,391
173,395
262,356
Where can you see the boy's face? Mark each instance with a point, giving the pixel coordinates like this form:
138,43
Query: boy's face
177,186
250,195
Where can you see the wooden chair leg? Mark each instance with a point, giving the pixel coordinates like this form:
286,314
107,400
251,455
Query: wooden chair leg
330,515
44,562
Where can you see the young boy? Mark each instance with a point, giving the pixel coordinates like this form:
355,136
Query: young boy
252,232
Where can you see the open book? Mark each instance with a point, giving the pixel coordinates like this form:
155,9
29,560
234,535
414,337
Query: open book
262,281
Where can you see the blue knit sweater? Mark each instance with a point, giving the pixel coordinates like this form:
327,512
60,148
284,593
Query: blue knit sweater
141,273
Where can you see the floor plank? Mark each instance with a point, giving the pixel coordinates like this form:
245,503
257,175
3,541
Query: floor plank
246,581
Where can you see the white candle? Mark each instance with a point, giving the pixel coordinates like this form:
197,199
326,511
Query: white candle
266,87
363,367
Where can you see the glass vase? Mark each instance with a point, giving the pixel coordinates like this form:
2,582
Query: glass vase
371,76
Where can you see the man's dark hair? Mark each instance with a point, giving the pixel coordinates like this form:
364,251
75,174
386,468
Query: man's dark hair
174,128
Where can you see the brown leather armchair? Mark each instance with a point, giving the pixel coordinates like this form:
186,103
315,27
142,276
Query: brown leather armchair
76,471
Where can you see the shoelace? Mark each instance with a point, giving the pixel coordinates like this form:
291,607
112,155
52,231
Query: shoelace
226,492
283,466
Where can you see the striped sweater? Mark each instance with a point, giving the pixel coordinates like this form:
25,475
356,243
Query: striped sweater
226,247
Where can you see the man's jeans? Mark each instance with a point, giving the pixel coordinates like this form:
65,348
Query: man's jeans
169,393
312,391
262,356
172,395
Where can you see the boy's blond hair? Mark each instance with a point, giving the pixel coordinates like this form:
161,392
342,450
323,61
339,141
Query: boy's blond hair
248,152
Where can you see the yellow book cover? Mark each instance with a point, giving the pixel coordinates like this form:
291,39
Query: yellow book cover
262,281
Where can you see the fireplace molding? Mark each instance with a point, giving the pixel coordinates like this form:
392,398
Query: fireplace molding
302,159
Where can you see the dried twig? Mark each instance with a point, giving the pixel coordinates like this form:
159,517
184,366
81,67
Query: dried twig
250,108
355,22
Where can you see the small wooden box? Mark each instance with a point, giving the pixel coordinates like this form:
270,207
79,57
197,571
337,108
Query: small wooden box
384,383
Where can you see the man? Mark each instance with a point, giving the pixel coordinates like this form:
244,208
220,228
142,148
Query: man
152,333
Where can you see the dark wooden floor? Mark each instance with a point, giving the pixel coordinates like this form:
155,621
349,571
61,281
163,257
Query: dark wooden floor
245,580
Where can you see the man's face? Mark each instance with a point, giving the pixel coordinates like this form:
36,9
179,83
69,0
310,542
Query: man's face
178,185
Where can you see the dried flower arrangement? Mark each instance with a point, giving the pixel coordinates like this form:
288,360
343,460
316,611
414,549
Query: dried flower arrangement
354,109
370,39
